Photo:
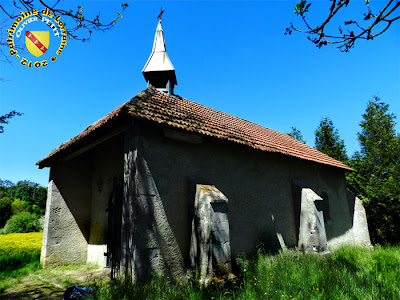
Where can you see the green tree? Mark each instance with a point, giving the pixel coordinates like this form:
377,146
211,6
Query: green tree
378,177
33,194
19,205
5,210
327,140
295,133
30,196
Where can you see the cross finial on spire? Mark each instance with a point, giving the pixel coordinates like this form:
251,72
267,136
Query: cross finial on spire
161,12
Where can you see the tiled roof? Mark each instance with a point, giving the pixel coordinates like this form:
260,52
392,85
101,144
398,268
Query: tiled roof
181,113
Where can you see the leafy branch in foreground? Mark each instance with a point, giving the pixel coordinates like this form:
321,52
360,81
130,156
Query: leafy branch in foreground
81,22
366,26
5,118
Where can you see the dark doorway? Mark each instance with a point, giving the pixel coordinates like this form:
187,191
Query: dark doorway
114,228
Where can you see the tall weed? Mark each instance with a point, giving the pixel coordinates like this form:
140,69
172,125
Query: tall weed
350,273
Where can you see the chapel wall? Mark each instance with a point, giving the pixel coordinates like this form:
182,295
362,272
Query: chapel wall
106,176
67,219
107,168
257,184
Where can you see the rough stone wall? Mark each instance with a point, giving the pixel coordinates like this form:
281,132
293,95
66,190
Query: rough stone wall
82,186
63,241
257,184
107,168
148,241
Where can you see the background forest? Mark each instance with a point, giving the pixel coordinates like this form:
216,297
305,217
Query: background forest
22,206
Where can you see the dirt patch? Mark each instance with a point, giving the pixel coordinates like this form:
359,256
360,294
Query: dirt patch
51,283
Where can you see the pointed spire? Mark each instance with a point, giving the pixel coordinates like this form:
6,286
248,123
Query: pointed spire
159,71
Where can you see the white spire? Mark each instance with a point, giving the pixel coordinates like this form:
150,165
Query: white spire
158,60
159,71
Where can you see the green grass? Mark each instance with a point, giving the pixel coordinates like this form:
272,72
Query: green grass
351,273
15,266
19,256
16,261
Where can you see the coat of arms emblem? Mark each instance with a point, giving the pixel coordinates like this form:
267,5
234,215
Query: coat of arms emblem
37,42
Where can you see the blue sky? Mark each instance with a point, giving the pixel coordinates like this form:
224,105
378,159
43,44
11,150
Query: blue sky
232,56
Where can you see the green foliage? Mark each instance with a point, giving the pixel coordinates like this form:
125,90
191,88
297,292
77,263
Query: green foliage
5,210
19,205
32,193
301,8
4,119
378,176
327,141
377,179
351,273
23,196
295,133
27,264
15,261
23,222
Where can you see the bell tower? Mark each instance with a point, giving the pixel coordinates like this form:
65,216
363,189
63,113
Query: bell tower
159,71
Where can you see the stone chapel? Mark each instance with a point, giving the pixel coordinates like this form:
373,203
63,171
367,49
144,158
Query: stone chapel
165,183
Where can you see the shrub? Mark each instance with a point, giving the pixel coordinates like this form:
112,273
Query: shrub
23,222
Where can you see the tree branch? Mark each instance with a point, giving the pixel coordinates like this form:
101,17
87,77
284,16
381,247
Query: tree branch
81,21
355,31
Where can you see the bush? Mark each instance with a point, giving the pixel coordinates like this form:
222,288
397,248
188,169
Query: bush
23,222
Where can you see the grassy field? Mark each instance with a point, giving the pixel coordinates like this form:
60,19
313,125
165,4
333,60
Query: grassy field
19,255
351,273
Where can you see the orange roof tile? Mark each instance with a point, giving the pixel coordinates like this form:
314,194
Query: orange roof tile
181,113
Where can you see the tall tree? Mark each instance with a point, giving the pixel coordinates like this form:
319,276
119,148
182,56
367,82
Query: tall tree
295,133
377,17
5,209
379,171
327,140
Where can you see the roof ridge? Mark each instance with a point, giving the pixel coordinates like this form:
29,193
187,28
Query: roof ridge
179,112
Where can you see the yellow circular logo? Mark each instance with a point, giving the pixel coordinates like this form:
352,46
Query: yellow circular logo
37,42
